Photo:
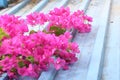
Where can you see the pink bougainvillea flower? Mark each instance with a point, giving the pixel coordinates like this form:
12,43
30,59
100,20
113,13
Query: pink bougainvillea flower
29,55
62,17
36,18
13,25
59,63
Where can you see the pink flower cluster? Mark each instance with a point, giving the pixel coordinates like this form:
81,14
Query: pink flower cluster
29,55
62,17
37,18
13,25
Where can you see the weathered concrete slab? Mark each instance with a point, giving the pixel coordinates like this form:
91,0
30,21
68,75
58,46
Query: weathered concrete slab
111,69
96,62
17,7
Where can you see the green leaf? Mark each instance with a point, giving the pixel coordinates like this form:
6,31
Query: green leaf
21,64
30,58
2,57
57,30
13,70
2,35
1,67
32,31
